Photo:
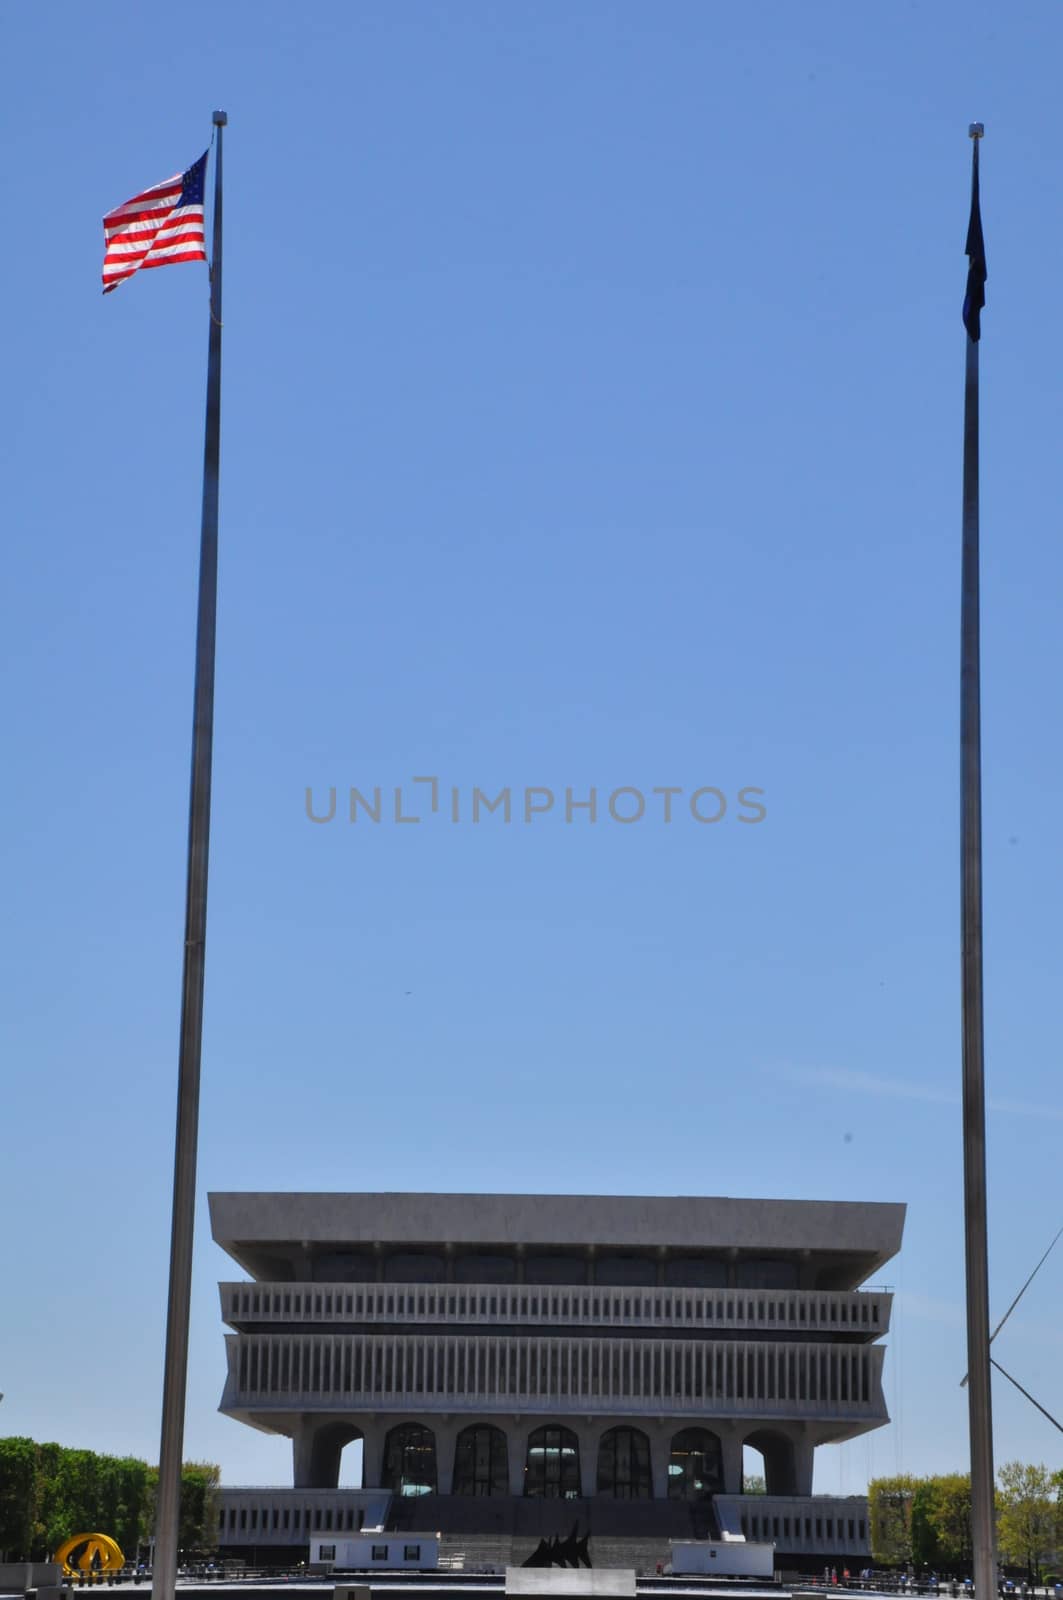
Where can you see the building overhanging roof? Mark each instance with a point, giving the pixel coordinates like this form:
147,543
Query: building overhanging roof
251,1227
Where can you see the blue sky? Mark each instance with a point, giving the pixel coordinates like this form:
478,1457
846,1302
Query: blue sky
592,417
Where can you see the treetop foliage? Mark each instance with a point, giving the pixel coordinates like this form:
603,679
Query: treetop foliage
926,1522
49,1492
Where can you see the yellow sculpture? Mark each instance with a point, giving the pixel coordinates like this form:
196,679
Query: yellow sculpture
89,1553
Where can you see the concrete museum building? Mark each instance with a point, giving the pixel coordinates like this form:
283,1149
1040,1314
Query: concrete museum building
513,1364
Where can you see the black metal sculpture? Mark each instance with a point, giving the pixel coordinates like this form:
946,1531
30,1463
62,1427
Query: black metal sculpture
570,1552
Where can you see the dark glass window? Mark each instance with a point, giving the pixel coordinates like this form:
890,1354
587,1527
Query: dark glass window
695,1272
485,1268
766,1274
481,1461
414,1266
344,1266
410,1460
695,1465
637,1271
624,1464
551,1471
555,1269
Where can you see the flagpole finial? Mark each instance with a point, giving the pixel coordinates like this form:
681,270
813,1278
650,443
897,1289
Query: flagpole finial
976,130
221,119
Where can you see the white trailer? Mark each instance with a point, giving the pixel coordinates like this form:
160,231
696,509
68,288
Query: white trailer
364,1552
730,1558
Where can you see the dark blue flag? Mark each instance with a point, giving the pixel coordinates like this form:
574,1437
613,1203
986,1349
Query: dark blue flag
974,299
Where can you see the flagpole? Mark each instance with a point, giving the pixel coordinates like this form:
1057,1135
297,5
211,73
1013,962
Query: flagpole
175,1371
983,1540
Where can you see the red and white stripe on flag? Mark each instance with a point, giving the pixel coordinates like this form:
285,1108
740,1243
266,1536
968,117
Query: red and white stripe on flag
157,228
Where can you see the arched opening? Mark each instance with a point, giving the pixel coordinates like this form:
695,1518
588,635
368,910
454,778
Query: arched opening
777,1454
551,1471
317,1450
624,1464
352,1465
410,1460
695,1465
481,1461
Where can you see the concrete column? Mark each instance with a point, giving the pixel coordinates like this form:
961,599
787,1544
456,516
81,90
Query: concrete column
588,1437
660,1455
517,1447
731,1449
373,1454
316,1451
787,1460
302,1448
804,1451
446,1438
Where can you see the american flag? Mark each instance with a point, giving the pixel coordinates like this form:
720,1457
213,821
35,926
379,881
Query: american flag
156,228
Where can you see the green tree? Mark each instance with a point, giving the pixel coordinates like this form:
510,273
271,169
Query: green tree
198,1526
754,1485
1029,1532
950,1517
49,1492
199,1505
926,1550
44,1499
72,1495
18,1482
122,1504
890,1508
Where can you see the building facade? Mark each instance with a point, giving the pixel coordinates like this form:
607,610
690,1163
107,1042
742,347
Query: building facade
557,1347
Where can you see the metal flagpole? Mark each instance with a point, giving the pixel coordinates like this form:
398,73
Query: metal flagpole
983,1541
168,1505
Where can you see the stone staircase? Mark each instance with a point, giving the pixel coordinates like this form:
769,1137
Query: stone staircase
473,1553
496,1532
642,1555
